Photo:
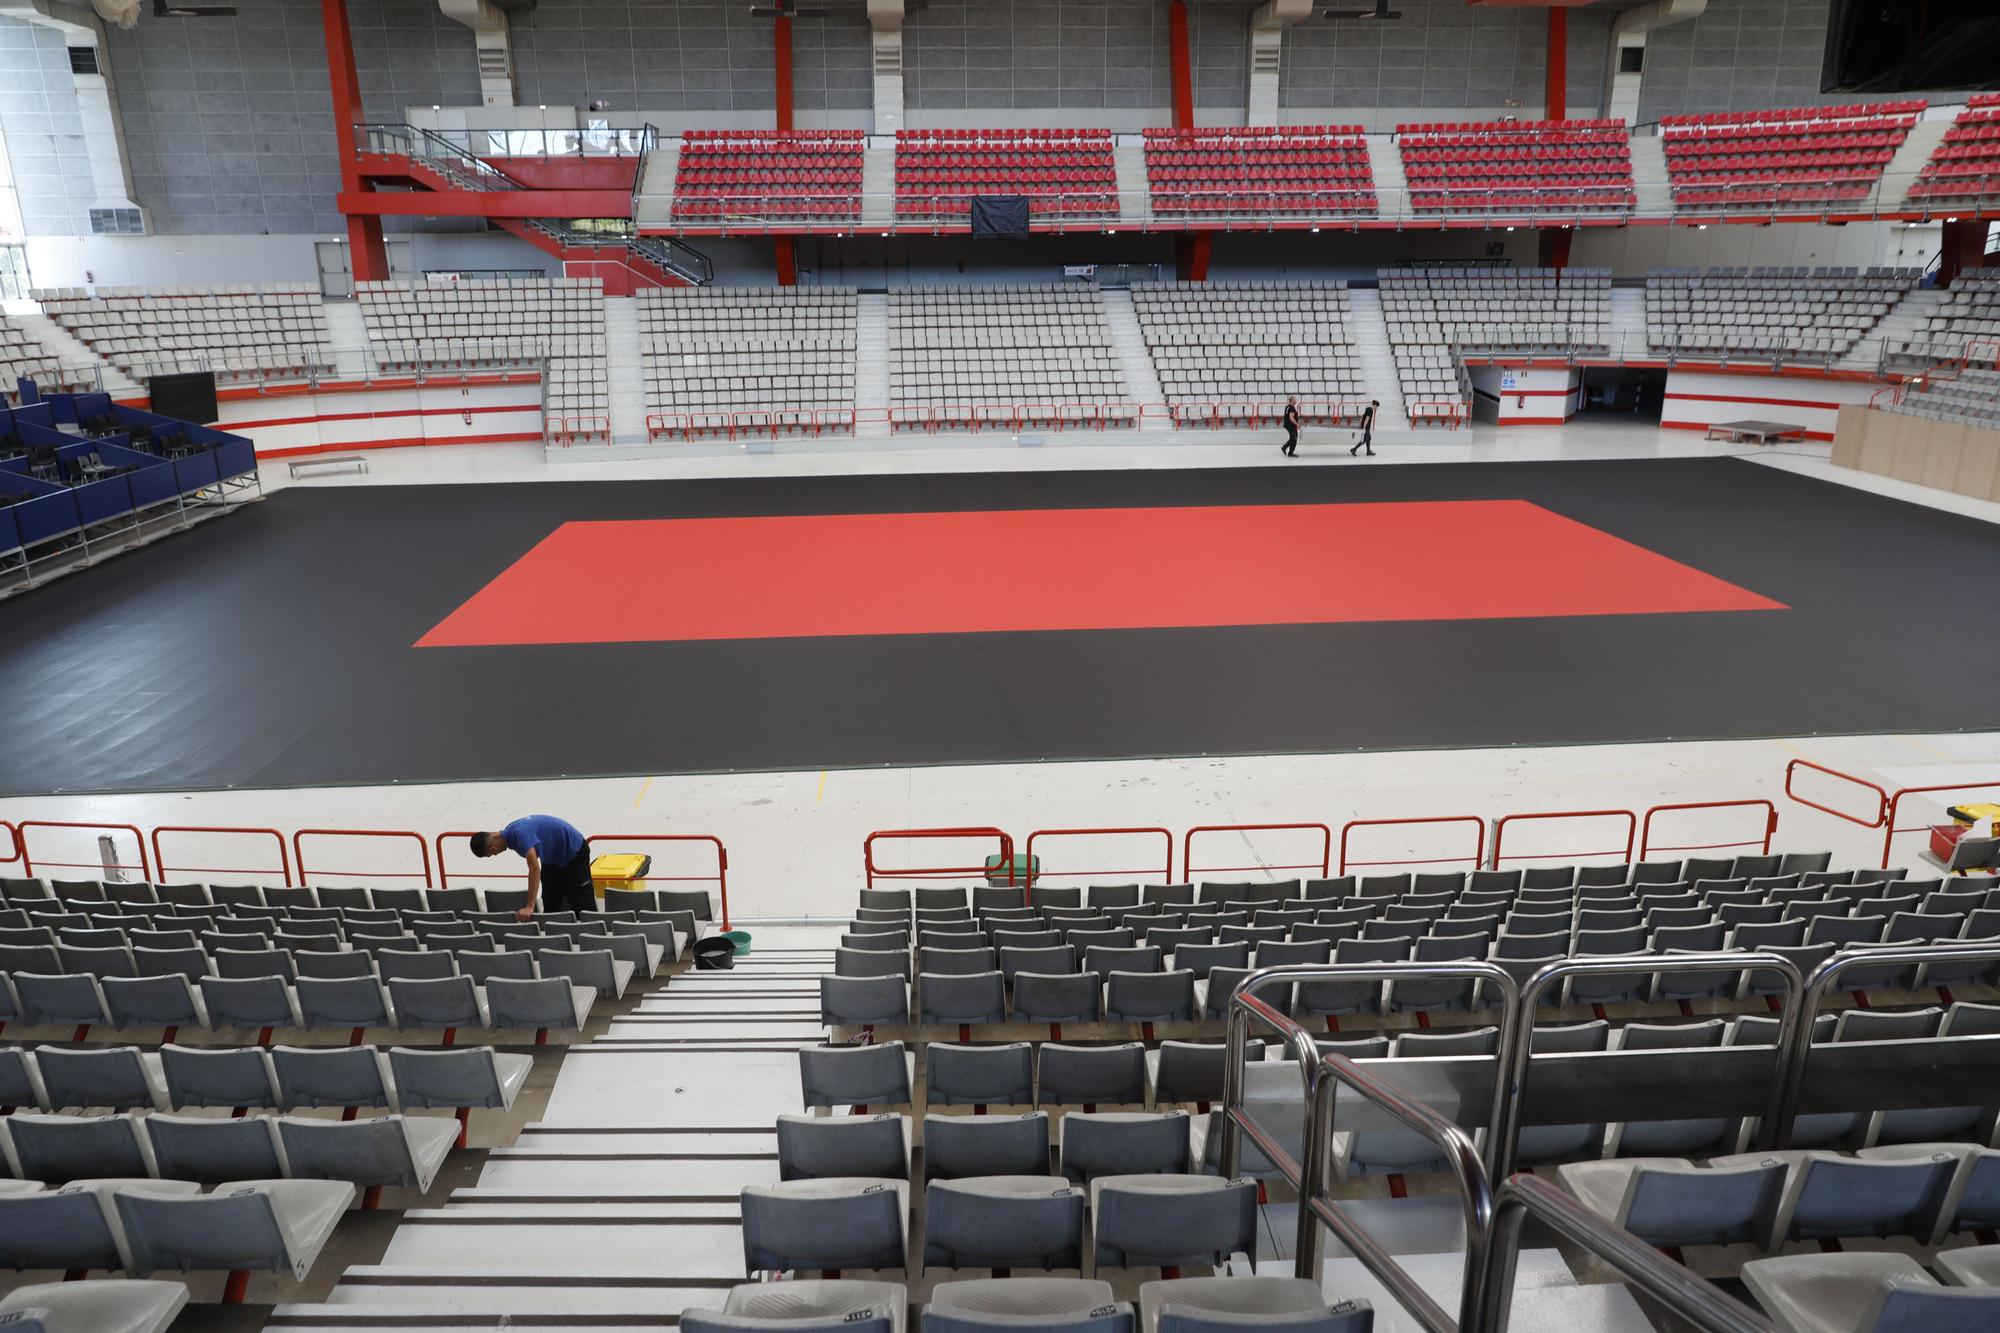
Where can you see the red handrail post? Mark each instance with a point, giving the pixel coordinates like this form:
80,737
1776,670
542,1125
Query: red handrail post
1028,852
1478,857
423,850
1500,829
1763,844
873,871
1890,830
284,857
1325,862
721,875
27,860
13,841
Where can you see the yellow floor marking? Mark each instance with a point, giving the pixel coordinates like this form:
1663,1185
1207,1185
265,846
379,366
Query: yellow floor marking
643,789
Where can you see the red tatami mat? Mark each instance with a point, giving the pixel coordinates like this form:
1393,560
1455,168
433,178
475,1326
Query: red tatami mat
983,571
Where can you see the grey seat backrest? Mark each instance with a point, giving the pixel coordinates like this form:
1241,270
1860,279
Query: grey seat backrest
854,1075
213,1151
975,998
204,1076
1075,997
447,1077
824,1224
247,1001
813,1147
1003,1222
979,1075
1092,1075
329,1076
1219,1304
343,1002
371,1151
1154,1221
111,1076
442,1002
414,964
58,1229
56,1148
1687,1205
1191,1071
1149,997
852,1000
1059,1304
1123,1143
961,1146
546,1002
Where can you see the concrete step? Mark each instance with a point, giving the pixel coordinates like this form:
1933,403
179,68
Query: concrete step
878,184
1135,361
656,191
626,368
1378,362
1901,173
1649,176
1135,195
70,351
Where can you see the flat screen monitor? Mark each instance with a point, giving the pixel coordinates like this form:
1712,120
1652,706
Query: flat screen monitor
184,397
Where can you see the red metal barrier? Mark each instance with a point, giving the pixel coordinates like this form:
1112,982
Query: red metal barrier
284,858
1894,830
1323,865
1478,857
1762,844
720,878
1500,830
13,843
1876,820
28,860
423,849
1166,871
874,872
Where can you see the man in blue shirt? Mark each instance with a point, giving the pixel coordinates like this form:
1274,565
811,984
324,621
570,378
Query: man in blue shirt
558,857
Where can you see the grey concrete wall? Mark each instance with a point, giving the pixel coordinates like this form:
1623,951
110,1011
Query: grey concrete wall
1440,57
45,143
1741,55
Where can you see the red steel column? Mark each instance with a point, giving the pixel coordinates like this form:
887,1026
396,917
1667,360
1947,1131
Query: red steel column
781,28
1555,243
788,264
1177,38
1963,247
368,256
1557,97
1198,257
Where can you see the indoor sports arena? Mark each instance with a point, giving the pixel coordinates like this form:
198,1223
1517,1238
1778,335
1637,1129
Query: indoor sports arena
946,666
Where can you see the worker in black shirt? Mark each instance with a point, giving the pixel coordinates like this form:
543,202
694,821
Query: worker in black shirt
1290,448
1367,429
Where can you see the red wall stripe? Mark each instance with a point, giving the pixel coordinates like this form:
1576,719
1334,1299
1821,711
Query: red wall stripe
415,441
1760,402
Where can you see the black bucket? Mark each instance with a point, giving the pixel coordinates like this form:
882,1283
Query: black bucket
714,953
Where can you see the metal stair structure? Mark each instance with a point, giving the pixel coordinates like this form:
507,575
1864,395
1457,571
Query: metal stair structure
1378,362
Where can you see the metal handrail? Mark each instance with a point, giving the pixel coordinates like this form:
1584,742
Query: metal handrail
1820,982
1699,1302
1315,1204
1517,1041
1310,1178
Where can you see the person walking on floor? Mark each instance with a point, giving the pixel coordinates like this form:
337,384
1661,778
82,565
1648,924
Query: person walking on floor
1290,448
1367,429
558,857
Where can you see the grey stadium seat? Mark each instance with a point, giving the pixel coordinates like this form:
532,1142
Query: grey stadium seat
58,1148
1192,1071
20,1082
211,1151
239,1077
59,999
833,1076
1213,1304
1153,1221
979,997
457,1077
249,1002
382,1150
1003,1222
829,1147
1123,1143
1149,997
276,1226
70,1228
1059,1304
957,1146
165,1001
308,1076
1865,1293
979,1075
343,1002
1092,1075
1668,1201
1074,997
93,1307
599,969
1828,1196
808,1306
442,1002
1973,1202
826,1224
861,1000
118,1077
546,1002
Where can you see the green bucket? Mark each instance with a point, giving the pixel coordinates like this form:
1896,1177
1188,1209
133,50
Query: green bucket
739,938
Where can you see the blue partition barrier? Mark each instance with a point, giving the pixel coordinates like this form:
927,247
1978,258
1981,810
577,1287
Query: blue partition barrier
10,532
52,512
153,482
196,471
